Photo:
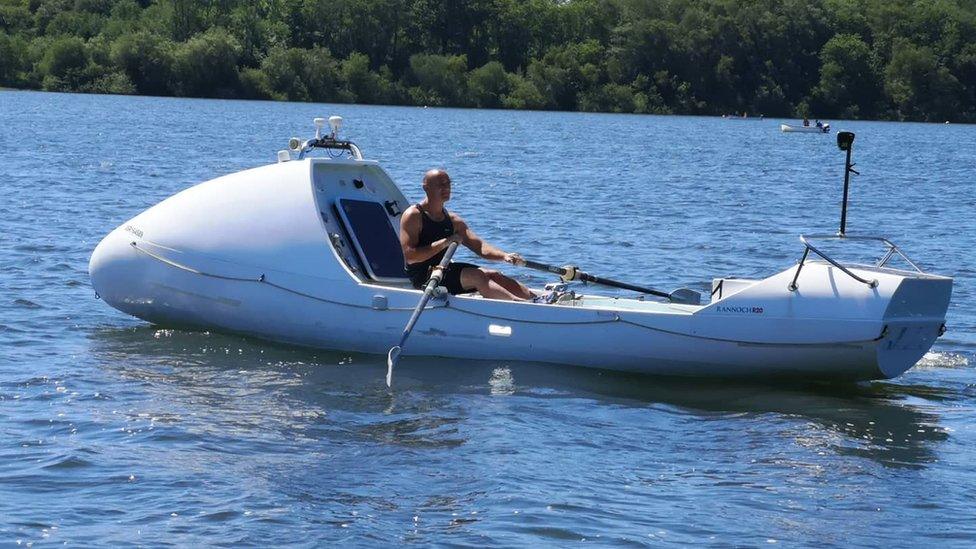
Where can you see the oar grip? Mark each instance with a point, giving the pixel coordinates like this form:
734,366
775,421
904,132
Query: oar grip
437,273
540,267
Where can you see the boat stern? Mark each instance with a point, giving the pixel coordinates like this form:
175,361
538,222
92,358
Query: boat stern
913,320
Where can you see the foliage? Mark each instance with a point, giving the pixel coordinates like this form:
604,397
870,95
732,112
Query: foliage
303,75
364,85
441,79
146,59
64,64
902,59
488,85
206,65
14,59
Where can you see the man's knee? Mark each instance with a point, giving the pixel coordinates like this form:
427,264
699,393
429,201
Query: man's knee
498,276
474,277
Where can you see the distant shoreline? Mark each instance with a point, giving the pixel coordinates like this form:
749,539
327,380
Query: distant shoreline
724,116
826,60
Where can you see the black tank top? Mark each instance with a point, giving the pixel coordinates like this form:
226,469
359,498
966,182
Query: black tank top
430,232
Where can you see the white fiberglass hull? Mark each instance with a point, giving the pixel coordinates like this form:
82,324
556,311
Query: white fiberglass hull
263,253
166,287
803,129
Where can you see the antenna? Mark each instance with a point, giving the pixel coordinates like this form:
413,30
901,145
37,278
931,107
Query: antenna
845,142
319,123
335,122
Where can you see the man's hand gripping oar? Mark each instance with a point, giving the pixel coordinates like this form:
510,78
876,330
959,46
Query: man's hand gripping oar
435,279
569,272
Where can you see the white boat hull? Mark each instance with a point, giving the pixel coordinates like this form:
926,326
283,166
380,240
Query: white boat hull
258,253
787,128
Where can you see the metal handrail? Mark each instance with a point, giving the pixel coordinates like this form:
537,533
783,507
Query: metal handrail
329,143
891,251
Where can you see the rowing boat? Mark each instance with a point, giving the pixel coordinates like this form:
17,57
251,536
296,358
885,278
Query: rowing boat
305,251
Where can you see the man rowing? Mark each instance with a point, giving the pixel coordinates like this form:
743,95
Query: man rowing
427,229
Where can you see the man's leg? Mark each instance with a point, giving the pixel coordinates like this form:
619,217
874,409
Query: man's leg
477,278
514,287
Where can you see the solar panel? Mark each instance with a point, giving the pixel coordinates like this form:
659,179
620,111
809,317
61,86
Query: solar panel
374,238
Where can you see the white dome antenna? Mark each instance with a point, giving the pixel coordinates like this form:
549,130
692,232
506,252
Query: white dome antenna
319,124
335,122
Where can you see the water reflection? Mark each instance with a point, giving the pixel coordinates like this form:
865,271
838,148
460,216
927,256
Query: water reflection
255,391
252,390
871,420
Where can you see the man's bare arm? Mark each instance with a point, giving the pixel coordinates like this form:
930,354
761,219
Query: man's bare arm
411,223
475,243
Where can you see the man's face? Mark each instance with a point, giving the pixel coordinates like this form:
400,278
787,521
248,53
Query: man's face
439,187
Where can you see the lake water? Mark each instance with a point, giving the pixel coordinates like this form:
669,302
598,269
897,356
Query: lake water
116,432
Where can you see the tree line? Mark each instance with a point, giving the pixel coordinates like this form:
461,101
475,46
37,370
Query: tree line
878,59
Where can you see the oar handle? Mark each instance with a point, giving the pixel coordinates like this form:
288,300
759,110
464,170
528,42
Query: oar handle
542,267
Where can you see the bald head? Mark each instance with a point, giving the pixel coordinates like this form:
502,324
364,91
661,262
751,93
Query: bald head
436,174
437,185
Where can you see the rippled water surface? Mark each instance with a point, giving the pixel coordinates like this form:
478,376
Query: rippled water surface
113,431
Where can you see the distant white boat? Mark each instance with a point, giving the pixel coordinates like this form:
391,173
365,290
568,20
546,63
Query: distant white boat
805,129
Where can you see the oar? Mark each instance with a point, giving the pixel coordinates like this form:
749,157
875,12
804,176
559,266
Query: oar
435,278
569,272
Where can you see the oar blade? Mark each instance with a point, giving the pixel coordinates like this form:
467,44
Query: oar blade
685,296
391,359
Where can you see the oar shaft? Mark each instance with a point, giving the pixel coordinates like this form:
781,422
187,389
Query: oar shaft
623,285
434,281
580,275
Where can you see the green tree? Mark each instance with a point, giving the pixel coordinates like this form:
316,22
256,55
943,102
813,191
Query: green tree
15,18
566,71
76,23
919,86
64,64
849,79
304,75
523,95
108,82
609,97
255,84
147,59
185,18
13,60
206,65
441,79
488,85
364,85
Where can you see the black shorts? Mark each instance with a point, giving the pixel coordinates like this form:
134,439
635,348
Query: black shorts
451,280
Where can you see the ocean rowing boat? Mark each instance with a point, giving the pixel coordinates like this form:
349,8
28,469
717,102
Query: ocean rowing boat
305,251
